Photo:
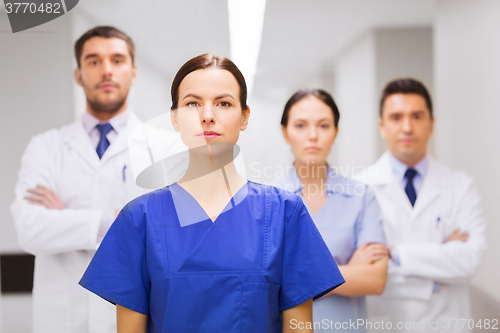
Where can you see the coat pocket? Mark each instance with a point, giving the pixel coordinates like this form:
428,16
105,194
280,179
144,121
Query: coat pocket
260,308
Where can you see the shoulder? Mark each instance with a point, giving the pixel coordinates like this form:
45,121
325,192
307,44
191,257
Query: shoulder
47,143
274,192
378,173
450,178
280,200
367,175
349,187
50,137
57,135
142,208
134,119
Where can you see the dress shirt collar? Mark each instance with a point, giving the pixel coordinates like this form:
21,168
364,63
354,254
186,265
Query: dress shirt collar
399,168
119,122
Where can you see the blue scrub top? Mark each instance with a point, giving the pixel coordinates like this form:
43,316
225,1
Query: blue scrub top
349,218
235,274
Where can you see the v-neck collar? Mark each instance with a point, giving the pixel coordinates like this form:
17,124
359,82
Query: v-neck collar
189,211
335,183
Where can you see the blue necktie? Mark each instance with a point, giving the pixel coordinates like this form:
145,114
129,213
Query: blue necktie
103,142
409,189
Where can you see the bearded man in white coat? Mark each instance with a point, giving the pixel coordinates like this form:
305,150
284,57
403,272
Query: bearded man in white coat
73,181
432,219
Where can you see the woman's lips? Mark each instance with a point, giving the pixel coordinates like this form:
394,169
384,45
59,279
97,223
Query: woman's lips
312,149
209,135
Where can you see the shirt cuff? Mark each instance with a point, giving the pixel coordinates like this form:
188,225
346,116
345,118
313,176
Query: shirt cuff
107,218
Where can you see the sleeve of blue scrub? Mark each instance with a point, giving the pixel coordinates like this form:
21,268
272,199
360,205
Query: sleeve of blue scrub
369,227
118,271
309,270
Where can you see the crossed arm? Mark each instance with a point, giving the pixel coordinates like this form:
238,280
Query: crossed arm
365,273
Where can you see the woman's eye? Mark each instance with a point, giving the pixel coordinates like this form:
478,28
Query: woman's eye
225,104
325,126
192,104
299,125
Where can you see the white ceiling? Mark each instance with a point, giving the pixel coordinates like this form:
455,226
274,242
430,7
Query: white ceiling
166,33
302,38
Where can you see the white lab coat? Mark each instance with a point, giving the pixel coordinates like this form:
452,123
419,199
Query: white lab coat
64,241
447,200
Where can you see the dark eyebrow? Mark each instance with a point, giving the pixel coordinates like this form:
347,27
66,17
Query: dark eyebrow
306,120
191,95
224,95
90,56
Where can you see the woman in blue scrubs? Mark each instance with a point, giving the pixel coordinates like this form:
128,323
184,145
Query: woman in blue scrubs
345,211
212,252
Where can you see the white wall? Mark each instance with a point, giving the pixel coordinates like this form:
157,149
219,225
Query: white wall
404,53
467,85
264,150
148,97
361,72
35,96
355,95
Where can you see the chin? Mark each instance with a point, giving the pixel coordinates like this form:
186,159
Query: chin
216,147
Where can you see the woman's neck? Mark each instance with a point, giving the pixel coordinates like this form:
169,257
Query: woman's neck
311,173
211,175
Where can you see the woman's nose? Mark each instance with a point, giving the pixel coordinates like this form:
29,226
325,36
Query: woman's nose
207,115
313,134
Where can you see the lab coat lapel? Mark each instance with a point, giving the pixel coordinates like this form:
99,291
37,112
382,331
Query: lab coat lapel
121,142
76,138
430,188
383,177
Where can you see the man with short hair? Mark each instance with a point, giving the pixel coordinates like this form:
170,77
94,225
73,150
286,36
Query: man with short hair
432,219
71,184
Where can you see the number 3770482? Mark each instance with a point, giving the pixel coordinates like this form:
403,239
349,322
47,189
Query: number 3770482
32,8
486,324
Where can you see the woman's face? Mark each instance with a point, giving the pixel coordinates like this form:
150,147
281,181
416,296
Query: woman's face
209,108
310,130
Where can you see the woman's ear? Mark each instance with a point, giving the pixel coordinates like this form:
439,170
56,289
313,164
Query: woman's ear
285,134
336,132
244,119
173,118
